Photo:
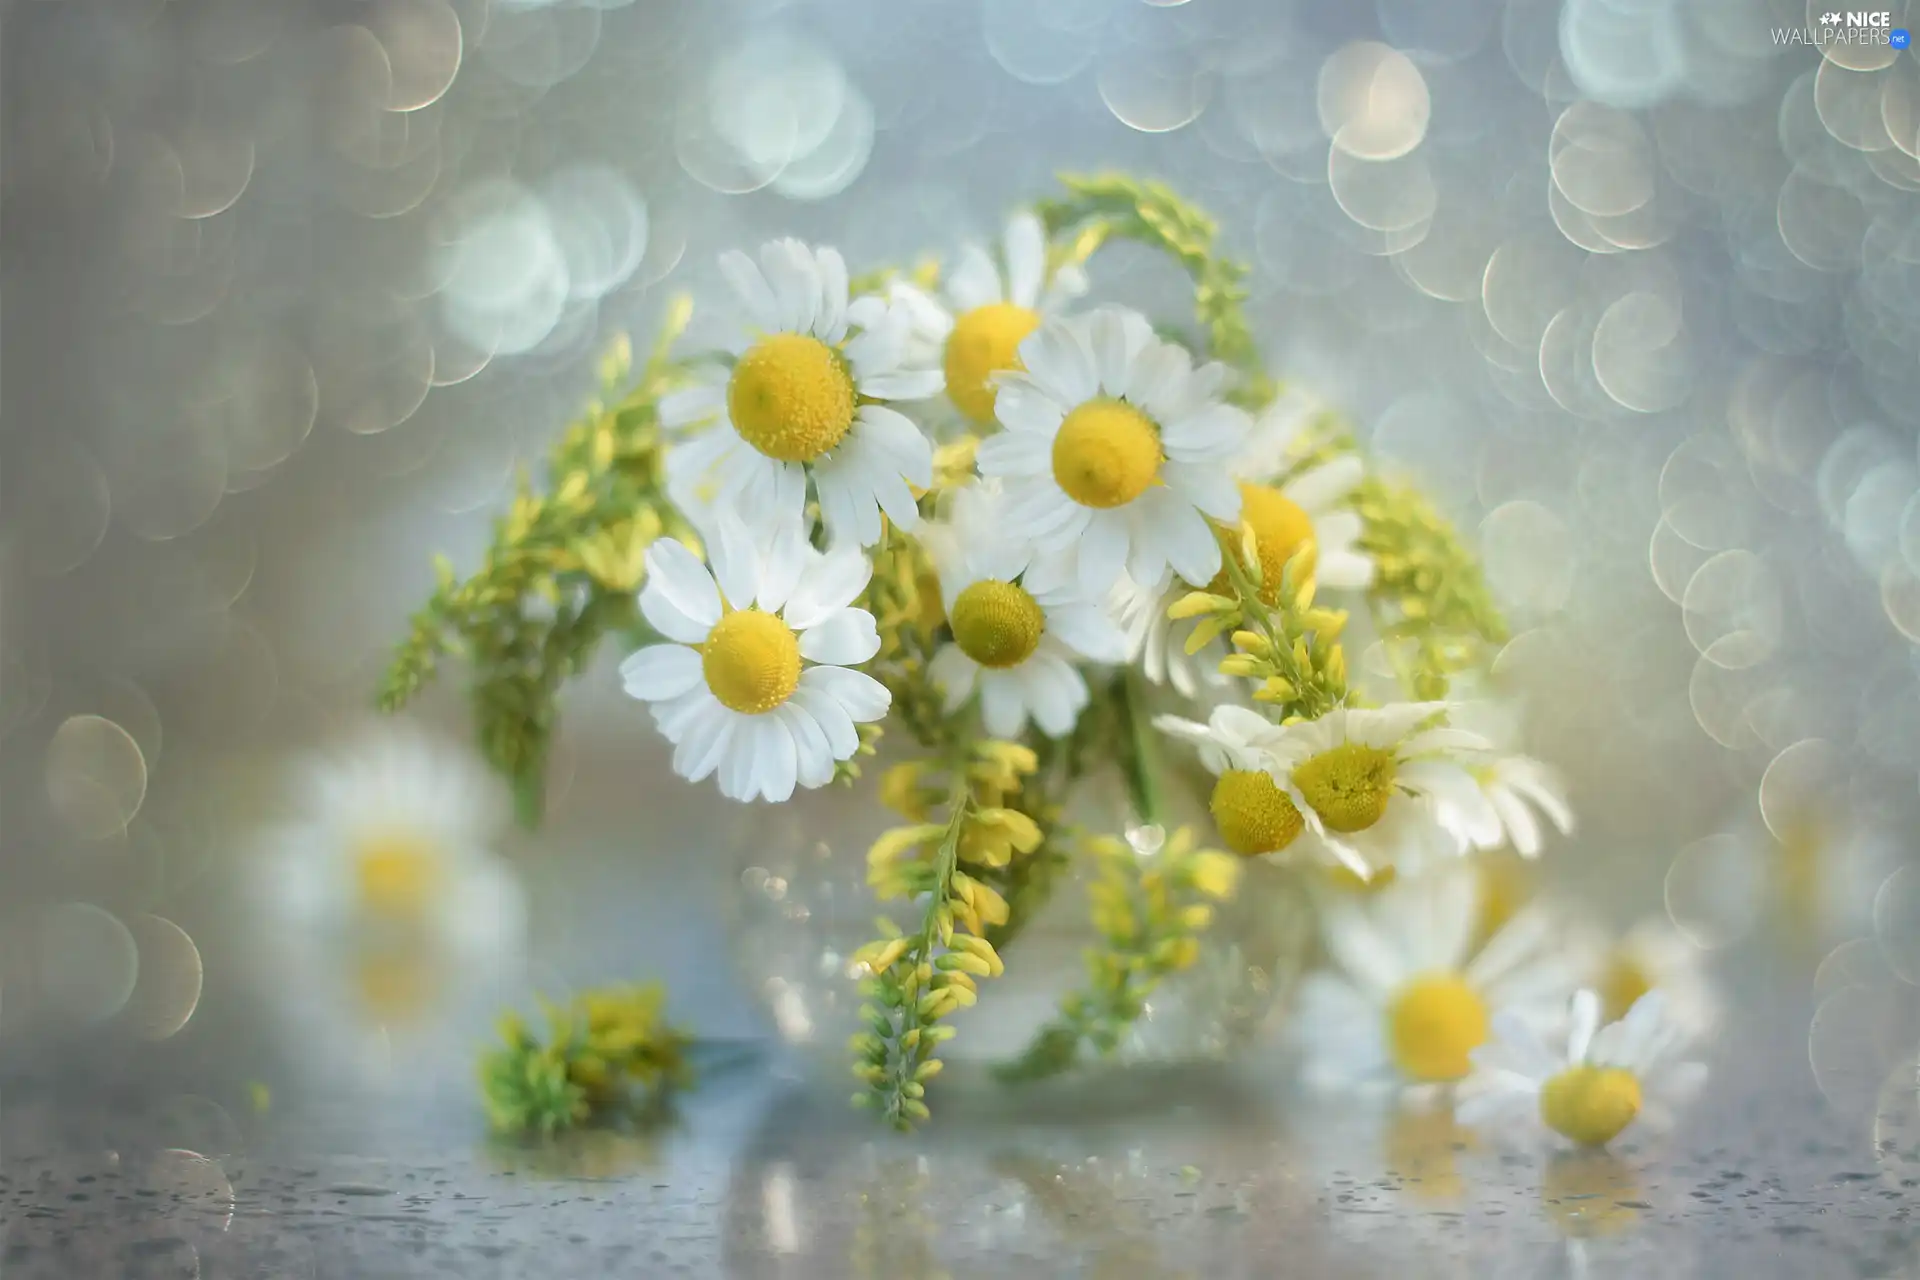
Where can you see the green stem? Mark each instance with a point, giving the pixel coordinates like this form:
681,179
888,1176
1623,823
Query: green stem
1141,759
946,860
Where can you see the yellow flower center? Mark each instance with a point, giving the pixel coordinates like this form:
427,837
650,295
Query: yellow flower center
1253,814
397,873
997,624
985,341
1107,454
1433,1023
1624,982
1281,529
1590,1105
751,661
1348,786
791,397
1346,878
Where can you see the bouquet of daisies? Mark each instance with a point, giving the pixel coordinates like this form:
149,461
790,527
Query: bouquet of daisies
1029,536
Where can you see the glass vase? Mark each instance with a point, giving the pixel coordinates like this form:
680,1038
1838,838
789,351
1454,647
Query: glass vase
803,908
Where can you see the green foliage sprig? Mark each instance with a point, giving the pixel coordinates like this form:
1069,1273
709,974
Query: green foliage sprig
1101,207
1150,908
1429,591
915,980
1288,647
561,573
607,1052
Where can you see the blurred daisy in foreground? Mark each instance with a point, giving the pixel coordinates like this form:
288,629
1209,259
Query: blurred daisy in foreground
395,835
1020,632
799,402
1407,1000
1609,1077
982,314
1115,450
1383,787
388,912
757,686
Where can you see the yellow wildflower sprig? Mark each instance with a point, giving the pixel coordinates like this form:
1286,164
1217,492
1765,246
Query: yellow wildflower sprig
1098,208
1429,590
562,572
1150,909
1290,649
904,597
607,1052
959,867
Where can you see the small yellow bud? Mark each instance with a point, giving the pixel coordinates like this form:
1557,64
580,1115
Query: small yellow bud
1196,603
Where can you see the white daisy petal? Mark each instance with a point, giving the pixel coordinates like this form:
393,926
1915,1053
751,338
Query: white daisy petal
1059,362
1015,453
955,673
974,282
777,763
1003,711
660,671
904,384
1026,259
1324,485
903,443
1188,541
830,321
788,267
1117,337
704,744
863,697
1103,552
830,582
1213,432
676,575
835,724
1159,378
1089,632
693,405
879,349
736,561
1023,406
752,288
842,638
1584,1020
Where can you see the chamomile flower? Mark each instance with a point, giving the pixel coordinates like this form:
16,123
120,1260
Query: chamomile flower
799,404
391,925
1020,629
1610,1076
974,328
757,685
1116,450
1294,503
1252,812
1652,956
394,834
1382,787
1408,1001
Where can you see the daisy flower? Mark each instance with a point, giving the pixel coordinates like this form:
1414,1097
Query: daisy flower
1407,1001
1020,630
392,926
799,403
975,327
1237,745
1116,450
756,685
394,835
1294,504
1652,956
1609,1077
1382,787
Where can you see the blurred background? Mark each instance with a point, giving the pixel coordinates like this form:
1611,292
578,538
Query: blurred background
294,288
